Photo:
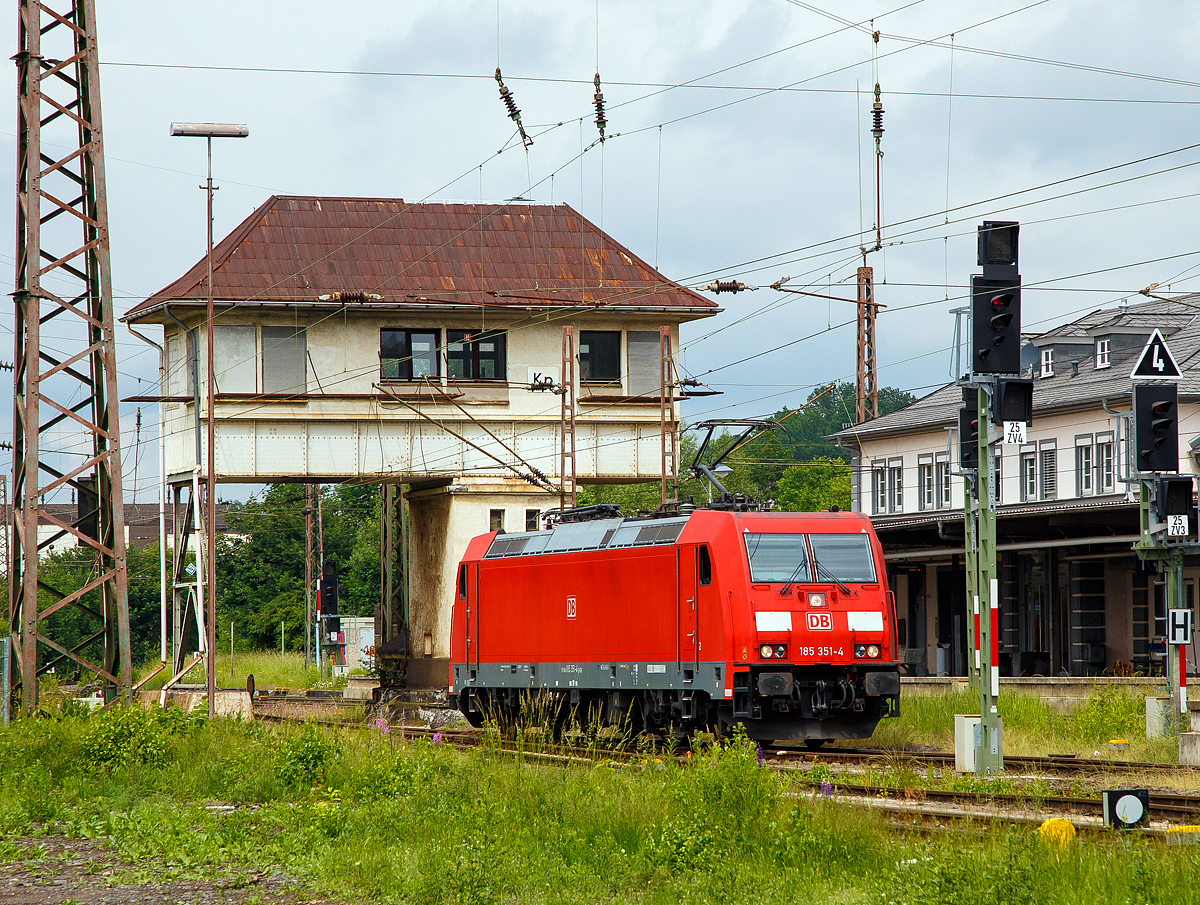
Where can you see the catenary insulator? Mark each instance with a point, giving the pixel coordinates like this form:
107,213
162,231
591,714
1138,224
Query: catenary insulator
514,112
507,96
720,286
877,116
598,98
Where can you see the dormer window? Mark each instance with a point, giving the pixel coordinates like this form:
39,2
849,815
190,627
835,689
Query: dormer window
1102,347
1047,362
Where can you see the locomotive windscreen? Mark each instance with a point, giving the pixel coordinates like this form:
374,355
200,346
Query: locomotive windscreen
846,556
777,557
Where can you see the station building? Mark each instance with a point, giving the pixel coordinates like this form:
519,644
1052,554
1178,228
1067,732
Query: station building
1075,599
421,347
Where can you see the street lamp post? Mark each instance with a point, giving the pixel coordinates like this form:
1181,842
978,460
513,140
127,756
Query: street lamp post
209,131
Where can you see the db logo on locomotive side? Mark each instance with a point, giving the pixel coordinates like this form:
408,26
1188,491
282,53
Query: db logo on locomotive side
571,607
820,622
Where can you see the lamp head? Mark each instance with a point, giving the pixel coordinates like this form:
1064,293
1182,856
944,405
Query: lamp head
210,130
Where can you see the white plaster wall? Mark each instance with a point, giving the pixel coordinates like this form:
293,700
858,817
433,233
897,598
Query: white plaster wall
1061,426
336,438
442,523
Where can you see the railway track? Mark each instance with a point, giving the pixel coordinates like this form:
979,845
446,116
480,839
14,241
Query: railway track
788,754
1175,808
1054,763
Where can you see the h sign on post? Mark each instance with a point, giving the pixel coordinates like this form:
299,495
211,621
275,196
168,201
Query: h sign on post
1179,626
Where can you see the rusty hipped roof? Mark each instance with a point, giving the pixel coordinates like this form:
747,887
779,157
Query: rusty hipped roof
294,249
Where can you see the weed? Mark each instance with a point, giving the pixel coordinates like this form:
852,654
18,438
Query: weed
419,822
306,756
684,844
471,874
1107,713
120,736
820,772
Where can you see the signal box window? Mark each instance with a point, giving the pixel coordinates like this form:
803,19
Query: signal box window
179,364
600,355
472,355
704,566
408,354
284,360
531,519
496,520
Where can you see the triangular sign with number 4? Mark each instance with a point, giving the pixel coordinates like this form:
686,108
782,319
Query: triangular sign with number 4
1156,361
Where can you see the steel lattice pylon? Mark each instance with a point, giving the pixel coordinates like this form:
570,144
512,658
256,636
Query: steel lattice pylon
63,278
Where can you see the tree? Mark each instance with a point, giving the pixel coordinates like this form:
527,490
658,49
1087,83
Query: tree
794,465
813,487
261,567
826,412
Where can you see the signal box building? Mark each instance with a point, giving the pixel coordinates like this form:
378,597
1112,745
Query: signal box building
1075,599
421,347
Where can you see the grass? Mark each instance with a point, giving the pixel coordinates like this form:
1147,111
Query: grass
270,670
359,815
1032,728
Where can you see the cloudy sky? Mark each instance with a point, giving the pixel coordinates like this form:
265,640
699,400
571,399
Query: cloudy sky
739,148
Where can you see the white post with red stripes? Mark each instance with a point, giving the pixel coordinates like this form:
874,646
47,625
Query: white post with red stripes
1179,635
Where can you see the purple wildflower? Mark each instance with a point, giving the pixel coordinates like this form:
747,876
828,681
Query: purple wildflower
382,726
758,754
437,738
826,788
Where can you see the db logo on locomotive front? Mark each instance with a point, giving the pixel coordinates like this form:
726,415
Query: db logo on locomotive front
820,622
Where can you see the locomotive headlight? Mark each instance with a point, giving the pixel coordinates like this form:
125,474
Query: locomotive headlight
781,651
860,650
816,598
767,651
873,651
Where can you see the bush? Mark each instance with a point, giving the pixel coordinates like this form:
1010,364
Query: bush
306,756
1109,713
120,736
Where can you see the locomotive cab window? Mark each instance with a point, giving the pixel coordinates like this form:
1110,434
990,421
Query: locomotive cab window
462,581
704,566
777,557
844,557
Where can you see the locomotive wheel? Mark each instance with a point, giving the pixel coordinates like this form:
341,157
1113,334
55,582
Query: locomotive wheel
475,718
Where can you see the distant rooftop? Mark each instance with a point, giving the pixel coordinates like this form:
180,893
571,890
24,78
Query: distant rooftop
1077,383
292,250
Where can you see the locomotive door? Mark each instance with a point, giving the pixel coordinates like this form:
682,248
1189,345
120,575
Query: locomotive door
472,617
688,604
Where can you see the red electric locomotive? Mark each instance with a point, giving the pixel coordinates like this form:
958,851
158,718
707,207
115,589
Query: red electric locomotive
780,622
